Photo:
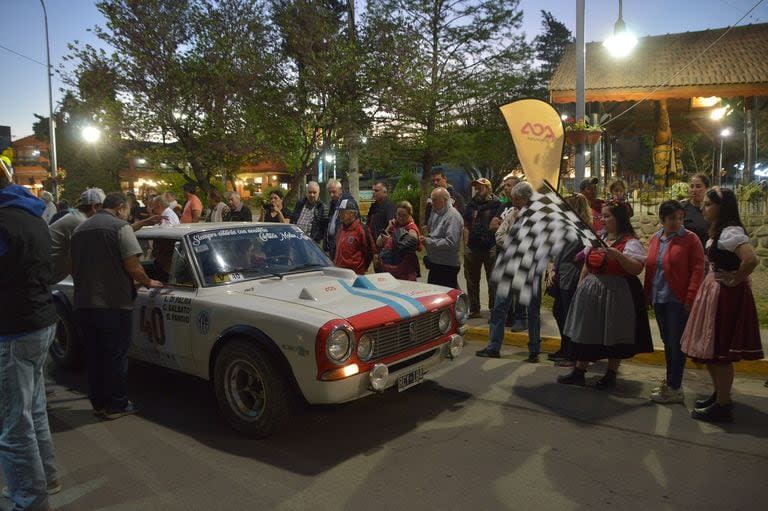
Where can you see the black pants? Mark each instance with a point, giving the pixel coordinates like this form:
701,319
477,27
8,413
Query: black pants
107,336
560,311
443,275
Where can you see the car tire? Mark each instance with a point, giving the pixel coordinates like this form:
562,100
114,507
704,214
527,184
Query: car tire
66,350
253,390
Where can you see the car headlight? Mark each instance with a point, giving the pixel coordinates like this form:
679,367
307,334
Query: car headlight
338,345
365,347
444,323
462,309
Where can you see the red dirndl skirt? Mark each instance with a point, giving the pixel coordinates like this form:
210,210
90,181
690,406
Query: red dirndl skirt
723,325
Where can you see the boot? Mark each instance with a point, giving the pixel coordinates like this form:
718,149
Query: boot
714,413
704,403
608,381
575,377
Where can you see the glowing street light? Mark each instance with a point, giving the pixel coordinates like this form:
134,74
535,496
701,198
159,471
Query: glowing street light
621,43
91,134
724,133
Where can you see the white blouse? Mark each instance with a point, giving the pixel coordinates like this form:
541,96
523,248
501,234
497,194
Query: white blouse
731,238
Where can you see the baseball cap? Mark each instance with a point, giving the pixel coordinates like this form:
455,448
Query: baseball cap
481,181
7,167
347,205
92,196
587,183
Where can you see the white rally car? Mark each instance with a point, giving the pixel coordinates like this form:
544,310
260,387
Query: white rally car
262,313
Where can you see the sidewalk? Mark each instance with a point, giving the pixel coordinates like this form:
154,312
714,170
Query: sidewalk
550,336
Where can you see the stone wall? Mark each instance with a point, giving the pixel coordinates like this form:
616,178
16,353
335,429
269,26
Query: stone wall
646,225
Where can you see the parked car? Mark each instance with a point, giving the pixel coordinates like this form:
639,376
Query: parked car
262,313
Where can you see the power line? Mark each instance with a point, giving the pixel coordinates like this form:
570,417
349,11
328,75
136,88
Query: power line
22,55
689,64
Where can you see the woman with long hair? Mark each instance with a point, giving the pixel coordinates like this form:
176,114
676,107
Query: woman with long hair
723,328
608,318
399,243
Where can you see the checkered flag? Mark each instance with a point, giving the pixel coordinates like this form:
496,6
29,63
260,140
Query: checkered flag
540,233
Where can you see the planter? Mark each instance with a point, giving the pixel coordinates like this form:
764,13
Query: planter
575,137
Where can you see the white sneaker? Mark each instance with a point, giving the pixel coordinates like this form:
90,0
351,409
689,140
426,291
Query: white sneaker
668,395
663,385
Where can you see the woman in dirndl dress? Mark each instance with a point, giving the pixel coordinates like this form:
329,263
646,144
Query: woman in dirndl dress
723,326
608,318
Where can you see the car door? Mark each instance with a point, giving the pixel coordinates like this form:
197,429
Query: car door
163,318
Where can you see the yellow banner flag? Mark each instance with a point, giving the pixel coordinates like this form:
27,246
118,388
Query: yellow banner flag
537,132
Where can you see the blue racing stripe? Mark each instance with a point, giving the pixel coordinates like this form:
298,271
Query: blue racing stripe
399,309
367,284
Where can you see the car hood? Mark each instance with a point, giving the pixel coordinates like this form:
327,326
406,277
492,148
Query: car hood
346,295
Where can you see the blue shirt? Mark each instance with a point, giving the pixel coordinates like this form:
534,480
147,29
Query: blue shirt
661,292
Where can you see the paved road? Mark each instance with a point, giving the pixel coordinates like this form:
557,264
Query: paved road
480,434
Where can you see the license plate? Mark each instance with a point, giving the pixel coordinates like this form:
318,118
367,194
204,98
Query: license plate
408,380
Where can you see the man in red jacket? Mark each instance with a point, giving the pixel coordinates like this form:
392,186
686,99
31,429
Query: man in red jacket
354,246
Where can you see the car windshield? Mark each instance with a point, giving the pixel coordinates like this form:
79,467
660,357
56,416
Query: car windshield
246,253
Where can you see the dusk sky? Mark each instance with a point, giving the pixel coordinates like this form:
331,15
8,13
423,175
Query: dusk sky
25,89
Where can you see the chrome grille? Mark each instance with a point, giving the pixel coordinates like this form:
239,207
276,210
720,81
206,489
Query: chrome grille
396,338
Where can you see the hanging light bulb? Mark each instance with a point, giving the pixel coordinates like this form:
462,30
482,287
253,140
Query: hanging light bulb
621,43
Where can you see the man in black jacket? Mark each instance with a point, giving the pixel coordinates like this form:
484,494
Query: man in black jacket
310,213
480,243
27,328
381,211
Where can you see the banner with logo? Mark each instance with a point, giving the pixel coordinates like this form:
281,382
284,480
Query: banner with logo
537,132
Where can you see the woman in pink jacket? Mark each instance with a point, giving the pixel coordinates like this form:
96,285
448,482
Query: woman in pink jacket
674,269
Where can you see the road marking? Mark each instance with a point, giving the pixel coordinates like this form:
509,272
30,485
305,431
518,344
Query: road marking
663,420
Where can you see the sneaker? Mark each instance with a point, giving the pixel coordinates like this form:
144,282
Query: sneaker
53,488
485,352
704,403
714,413
533,358
658,389
668,395
129,409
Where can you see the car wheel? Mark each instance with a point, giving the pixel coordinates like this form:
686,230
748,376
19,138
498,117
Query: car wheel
252,389
66,350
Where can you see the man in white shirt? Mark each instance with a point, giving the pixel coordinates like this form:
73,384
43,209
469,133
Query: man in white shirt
159,205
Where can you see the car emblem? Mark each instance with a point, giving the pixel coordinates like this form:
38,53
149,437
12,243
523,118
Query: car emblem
412,331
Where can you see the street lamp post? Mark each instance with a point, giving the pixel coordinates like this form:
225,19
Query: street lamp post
51,122
726,132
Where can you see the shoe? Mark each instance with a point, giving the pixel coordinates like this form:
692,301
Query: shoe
129,409
608,381
475,315
53,488
519,326
668,396
575,377
556,356
99,412
533,358
714,413
565,363
485,352
663,385
704,403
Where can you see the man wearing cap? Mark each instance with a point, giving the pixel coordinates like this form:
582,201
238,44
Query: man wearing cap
588,188
480,243
62,230
27,328
354,245
105,264
193,208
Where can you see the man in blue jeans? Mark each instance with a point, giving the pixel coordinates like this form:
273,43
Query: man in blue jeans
27,328
520,196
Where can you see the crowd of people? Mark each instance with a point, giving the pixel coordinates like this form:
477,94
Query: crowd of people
697,280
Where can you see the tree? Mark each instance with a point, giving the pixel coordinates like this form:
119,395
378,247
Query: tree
437,60
551,44
200,77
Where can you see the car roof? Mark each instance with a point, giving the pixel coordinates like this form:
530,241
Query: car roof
176,232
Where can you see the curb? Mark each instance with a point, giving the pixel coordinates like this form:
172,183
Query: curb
756,368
